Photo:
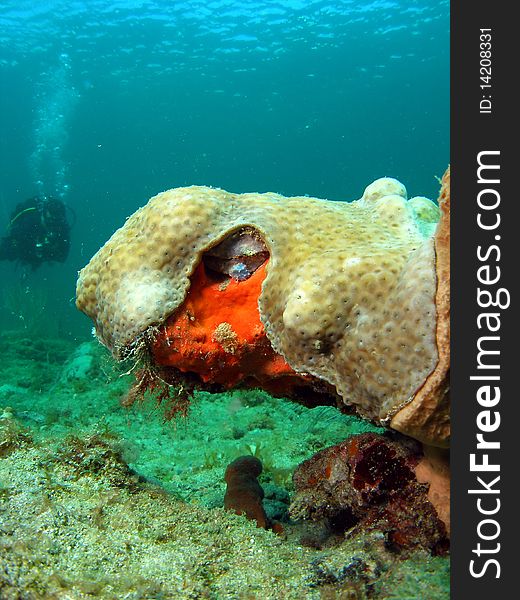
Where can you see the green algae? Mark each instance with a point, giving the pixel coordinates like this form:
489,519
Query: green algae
101,501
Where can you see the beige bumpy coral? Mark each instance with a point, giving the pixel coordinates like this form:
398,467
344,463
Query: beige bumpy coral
349,295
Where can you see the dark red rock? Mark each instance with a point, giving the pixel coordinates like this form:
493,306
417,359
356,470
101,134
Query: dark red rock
368,483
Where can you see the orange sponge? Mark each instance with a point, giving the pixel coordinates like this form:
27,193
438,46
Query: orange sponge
217,333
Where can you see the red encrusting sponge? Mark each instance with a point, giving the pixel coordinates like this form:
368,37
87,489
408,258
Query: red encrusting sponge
217,334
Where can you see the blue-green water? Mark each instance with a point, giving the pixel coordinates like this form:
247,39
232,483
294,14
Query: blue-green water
107,103
104,104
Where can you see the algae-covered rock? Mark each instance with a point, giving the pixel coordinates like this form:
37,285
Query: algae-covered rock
102,502
84,534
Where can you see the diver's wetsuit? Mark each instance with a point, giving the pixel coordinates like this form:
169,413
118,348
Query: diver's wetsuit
38,232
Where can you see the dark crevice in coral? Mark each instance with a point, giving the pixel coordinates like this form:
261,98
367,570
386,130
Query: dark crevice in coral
342,521
238,256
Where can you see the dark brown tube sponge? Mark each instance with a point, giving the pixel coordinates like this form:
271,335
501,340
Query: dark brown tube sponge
244,494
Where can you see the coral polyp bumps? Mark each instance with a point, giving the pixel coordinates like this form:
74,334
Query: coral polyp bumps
351,298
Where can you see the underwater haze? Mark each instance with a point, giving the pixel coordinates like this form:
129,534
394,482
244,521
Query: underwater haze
105,104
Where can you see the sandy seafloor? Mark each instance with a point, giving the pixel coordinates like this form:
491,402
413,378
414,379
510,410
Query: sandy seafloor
100,501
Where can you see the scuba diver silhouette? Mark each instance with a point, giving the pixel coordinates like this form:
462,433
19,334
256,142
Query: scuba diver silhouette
38,232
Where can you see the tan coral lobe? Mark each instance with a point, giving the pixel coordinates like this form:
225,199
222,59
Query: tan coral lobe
349,295
427,417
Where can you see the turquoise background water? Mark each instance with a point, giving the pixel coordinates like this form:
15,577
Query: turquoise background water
107,103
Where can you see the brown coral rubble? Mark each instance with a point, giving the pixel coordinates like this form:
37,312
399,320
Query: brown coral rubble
368,482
